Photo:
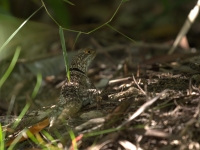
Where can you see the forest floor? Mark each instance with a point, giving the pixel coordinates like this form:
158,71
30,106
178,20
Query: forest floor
150,99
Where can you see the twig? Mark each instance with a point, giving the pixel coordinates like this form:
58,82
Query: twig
132,91
142,108
189,21
118,80
138,85
89,123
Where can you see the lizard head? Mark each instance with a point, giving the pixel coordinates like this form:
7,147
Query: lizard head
82,59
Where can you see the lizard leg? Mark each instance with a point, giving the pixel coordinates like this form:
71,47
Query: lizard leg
68,110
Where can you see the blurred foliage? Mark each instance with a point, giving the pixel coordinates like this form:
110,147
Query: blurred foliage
60,11
35,33
23,9
4,6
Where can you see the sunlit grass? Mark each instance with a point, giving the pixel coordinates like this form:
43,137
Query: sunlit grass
37,86
17,30
6,75
23,133
72,135
16,140
62,38
10,68
8,72
2,80
2,136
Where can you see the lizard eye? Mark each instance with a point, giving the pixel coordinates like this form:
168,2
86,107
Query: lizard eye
89,51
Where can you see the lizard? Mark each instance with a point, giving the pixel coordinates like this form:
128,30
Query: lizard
75,93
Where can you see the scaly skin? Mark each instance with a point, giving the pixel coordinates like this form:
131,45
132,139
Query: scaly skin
79,91
76,93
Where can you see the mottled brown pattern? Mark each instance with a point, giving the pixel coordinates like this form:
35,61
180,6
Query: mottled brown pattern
77,92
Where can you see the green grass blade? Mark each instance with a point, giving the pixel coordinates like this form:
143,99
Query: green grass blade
15,141
100,132
23,112
121,33
11,104
71,133
14,33
32,137
34,93
37,86
2,135
76,39
12,65
64,51
49,137
67,1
